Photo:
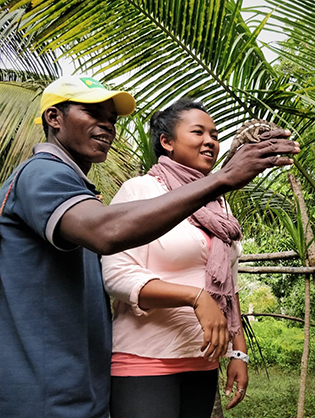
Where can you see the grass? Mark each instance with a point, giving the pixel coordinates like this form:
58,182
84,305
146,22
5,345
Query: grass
274,398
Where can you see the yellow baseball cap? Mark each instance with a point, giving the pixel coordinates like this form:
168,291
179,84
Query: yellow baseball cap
84,90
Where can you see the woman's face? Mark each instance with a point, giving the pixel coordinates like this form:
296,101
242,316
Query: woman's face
196,141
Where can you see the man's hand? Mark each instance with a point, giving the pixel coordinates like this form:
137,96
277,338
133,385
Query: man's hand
253,158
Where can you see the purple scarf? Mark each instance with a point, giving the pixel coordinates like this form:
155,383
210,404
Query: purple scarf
223,229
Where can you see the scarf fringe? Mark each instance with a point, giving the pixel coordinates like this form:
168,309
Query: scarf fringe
227,304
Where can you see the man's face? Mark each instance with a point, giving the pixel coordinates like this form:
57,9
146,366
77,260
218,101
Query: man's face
87,131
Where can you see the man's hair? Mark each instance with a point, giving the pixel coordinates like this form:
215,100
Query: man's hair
63,107
165,121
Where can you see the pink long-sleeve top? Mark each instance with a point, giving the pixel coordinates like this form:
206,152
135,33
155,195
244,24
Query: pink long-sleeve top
180,257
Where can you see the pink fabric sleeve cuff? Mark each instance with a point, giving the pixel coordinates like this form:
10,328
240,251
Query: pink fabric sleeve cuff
134,297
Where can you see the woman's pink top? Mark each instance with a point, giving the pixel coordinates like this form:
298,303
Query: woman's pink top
131,365
178,257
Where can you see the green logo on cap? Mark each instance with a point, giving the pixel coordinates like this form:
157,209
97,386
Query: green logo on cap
91,83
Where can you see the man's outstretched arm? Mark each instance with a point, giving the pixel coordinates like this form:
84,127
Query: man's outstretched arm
114,228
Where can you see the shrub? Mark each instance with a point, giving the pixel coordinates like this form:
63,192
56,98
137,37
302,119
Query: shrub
281,345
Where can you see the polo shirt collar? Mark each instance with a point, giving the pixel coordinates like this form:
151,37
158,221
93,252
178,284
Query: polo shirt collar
58,152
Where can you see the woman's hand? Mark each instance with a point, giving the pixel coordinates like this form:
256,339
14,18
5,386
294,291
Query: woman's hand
236,372
214,326
160,294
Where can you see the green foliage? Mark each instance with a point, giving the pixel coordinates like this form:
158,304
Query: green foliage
293,303
168,49
20,60
271,238
299,48
296,231
203,49
257,295
19,106
281,345
274,398
139,143
287,288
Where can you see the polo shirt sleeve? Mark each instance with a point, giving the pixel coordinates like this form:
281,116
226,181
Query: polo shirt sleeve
44,191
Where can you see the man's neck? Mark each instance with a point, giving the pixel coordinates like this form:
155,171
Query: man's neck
85,167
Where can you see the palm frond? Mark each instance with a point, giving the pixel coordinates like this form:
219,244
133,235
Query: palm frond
253,205
17,51
296,230
164,50
170,49
18,134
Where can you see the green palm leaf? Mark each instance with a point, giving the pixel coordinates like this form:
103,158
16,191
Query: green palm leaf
171,48
18,134
296,231
17,51
174,48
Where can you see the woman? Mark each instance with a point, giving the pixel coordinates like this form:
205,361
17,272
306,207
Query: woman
169,330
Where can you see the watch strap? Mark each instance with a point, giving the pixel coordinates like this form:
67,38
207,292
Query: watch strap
240,355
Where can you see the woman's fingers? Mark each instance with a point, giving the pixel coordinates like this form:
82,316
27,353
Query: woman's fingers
214,326
218,344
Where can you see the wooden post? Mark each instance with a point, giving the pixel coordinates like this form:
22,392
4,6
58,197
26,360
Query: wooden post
297,190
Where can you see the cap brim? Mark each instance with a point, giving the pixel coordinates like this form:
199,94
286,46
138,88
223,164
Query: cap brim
124,102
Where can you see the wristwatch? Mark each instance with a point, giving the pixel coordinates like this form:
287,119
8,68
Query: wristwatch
240,355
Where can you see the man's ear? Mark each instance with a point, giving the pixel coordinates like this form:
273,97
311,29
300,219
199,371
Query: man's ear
52,115
167,144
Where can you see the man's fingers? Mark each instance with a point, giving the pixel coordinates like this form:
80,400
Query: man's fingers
278,133
253,158
279,146
274,148
280,161
274,153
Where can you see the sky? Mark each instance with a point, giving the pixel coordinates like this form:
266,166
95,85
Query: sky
265,36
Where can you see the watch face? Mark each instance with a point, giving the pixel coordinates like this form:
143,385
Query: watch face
240,355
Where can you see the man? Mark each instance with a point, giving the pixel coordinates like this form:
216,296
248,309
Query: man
55,327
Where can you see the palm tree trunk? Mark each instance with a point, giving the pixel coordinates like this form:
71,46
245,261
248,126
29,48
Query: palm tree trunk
297,190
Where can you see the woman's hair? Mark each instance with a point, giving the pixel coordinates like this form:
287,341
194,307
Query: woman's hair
165,121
